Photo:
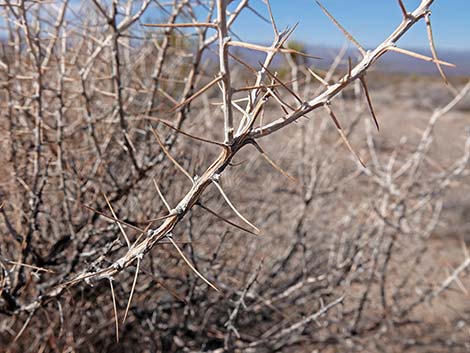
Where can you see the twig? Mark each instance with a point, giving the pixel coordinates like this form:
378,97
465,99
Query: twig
300,324
190,264
369,102
224,69
317,77
115,309
262,48
234,209
182,25
23,328
283,84
41,269
195,95
273,164
118,223
132,290
165,202
167,153
419,56
225,219
342,29
117,220
185,133
343,136
403,9
433,49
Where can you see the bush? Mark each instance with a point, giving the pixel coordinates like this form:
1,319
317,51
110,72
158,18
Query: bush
106,239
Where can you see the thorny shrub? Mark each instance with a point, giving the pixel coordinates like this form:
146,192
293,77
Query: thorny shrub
124,218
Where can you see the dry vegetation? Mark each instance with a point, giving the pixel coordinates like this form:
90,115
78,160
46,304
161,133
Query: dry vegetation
144,206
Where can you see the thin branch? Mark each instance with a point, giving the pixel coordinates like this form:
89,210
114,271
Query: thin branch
278,99
271,17
112,218
167,153
257,14
161,218
41,269
118,223
195,95
243,63
182,25
419,56
234,209
191,265
26,323
349,66
132,290
403,9
224,69
433,47
146,230
317,77
249,88
464,248
369,102
212,212
202,139
308,319
288,331
431,294
342,29
164,286
342,134
167,205
273,164
262,48
102,10
115,309
282,84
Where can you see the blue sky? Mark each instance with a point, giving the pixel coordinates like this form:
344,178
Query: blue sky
369,21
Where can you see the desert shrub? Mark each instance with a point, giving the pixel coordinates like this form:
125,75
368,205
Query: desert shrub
134,188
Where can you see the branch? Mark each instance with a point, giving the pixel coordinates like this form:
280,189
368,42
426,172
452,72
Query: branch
225,219
234,209
342,29
358,71
191,265
224,39
369,102
167,153
115,309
